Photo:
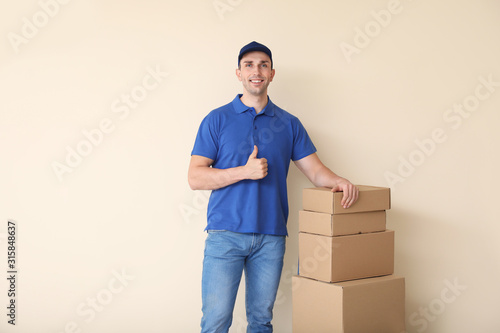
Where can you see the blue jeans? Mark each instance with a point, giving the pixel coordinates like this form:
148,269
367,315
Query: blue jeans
227,255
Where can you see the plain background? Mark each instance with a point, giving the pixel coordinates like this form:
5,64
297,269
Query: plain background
126,207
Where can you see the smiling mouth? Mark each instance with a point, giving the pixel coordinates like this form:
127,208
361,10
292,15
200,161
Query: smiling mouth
256,81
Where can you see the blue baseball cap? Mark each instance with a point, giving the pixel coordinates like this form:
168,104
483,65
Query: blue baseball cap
254,46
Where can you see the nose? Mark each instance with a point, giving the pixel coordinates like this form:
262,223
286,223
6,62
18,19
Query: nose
257,70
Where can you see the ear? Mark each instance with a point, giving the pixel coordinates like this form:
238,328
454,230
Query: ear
238,73
273,72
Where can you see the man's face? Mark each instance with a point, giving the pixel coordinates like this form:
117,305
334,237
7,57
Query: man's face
255,73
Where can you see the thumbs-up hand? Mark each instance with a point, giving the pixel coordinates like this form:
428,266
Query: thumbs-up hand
256,167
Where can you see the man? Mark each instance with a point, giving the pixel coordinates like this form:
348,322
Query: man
242,153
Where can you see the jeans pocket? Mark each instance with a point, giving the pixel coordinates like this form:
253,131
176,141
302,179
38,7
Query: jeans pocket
211,234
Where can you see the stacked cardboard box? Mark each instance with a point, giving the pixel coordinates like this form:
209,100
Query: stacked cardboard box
346,265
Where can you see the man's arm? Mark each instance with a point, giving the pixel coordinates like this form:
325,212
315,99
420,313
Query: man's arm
320,175
201,176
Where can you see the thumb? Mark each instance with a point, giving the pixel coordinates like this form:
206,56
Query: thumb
254,153
337,189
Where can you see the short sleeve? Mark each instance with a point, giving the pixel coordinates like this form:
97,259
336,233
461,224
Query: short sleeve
302,143
207,139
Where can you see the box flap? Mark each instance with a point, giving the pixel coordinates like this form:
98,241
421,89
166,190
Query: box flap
322,199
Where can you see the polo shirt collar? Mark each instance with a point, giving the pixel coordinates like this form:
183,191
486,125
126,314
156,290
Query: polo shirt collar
239,107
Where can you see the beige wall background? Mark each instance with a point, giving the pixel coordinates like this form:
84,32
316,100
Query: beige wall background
100,103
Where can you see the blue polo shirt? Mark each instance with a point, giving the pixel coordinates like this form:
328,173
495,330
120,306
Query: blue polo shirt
227,136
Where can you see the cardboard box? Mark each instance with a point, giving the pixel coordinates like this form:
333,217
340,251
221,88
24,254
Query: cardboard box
323,200
374,305
342,224
333,259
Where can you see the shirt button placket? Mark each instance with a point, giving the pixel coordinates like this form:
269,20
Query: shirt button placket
255,137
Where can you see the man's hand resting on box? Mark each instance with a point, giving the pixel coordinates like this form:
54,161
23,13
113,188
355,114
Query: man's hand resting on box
351,192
